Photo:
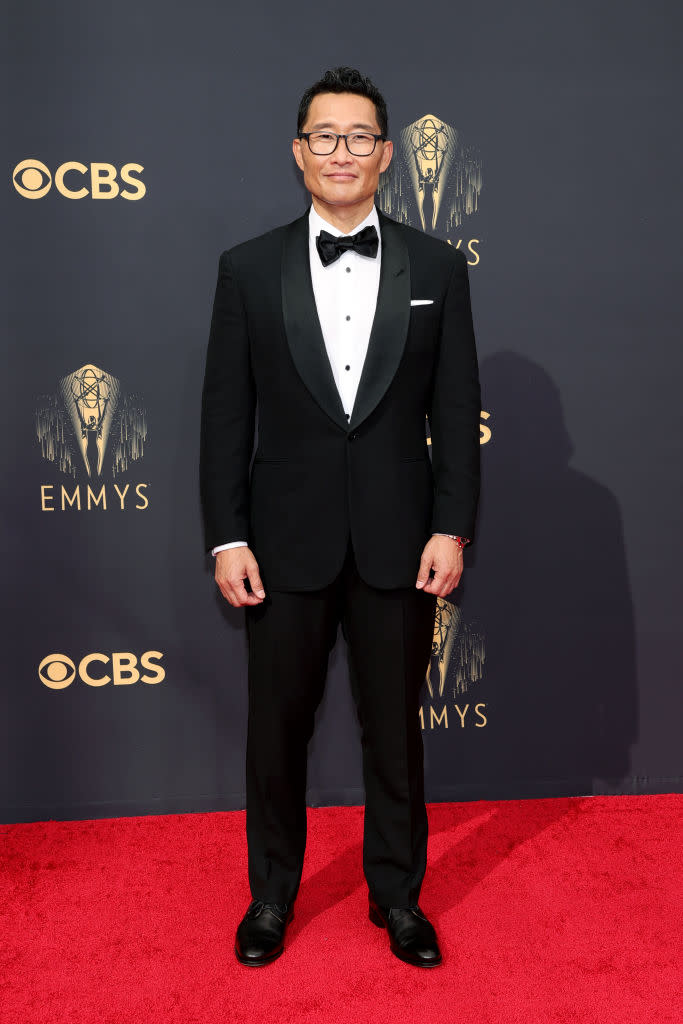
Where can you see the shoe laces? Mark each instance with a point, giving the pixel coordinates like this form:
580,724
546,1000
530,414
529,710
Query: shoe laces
414,907
278,909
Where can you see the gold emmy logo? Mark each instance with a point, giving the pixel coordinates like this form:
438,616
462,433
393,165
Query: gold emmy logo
57,671
456,663
32,180
431,144
90,395
433,182
457,642
91,428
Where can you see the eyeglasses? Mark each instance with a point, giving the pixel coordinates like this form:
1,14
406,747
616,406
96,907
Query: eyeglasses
357,143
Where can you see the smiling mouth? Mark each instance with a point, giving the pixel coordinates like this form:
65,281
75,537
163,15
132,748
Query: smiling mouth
341,175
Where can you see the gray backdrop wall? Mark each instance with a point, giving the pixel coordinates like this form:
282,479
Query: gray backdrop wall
143,139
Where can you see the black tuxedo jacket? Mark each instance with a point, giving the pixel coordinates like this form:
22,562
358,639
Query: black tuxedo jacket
316,476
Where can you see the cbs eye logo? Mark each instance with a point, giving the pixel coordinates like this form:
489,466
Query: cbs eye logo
57,671
33,180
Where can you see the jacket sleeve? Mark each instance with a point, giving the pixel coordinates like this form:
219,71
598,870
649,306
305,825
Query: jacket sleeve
227,416
454,412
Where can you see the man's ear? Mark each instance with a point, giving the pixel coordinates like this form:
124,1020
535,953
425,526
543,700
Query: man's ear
296,149
386,155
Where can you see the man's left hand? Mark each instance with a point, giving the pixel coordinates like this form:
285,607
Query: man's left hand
444,556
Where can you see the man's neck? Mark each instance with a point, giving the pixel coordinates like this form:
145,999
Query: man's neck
344,218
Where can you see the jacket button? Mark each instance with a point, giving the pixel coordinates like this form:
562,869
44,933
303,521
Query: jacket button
353,435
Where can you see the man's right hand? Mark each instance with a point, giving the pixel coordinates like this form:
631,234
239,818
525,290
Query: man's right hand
233,566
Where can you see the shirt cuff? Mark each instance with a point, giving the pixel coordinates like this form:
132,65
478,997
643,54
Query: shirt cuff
232,544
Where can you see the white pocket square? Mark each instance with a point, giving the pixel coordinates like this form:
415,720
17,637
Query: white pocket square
421,302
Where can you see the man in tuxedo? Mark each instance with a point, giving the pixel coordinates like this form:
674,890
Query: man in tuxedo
345,330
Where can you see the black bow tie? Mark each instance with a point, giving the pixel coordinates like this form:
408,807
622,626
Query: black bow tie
330,247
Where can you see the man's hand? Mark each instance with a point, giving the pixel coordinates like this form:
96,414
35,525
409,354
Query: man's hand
233,566
444,556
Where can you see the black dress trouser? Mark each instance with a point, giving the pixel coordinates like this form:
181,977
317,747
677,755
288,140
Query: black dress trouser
389,640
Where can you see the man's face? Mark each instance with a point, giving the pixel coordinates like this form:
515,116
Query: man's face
341,179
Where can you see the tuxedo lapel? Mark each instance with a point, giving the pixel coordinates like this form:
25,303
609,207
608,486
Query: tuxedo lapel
390,326
302,326
304,334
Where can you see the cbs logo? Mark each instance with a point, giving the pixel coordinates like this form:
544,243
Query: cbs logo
33,180
57,671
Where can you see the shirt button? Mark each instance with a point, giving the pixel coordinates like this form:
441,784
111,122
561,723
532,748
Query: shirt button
347,367
348,415
348,270
348,318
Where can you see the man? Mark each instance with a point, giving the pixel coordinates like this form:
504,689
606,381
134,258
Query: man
346,329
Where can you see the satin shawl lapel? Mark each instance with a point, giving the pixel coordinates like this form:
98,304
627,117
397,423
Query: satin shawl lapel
304,334
390,326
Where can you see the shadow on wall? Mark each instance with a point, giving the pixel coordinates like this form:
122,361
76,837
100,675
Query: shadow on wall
548,581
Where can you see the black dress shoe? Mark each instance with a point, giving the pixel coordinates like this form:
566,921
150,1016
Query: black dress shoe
261,932
411,935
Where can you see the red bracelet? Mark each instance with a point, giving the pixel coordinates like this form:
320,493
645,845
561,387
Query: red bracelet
458,540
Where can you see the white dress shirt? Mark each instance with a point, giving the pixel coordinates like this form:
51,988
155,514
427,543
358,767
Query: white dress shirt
345,296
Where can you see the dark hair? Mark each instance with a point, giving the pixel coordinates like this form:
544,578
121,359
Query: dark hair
344,79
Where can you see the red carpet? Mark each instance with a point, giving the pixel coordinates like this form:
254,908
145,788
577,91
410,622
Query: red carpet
557,910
